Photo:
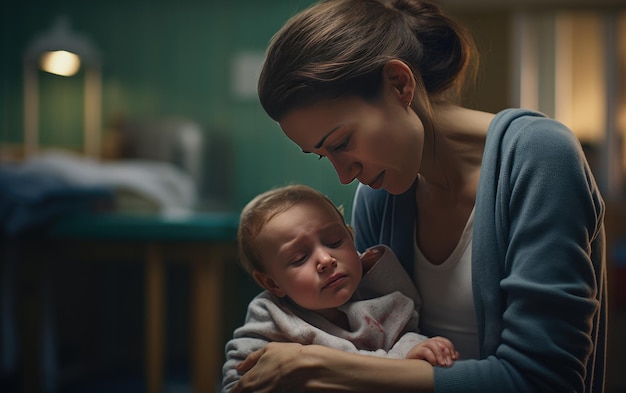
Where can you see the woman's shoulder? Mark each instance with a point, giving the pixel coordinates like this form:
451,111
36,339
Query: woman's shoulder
530,131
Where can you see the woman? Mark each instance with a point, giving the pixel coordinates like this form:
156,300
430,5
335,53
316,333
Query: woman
497,216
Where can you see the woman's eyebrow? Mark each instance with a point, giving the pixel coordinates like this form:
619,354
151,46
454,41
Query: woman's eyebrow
321,142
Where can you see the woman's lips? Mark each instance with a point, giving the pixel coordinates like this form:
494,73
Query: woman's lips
378,181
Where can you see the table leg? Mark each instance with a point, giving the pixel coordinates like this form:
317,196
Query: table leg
206,345
155,318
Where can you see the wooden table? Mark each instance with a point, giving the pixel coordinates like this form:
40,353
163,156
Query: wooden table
206,241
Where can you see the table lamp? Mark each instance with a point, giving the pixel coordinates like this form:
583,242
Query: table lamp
62,51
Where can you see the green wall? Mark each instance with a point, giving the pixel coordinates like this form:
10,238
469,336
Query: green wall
165,59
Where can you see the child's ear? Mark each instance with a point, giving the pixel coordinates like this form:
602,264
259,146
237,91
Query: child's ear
350,230
268,283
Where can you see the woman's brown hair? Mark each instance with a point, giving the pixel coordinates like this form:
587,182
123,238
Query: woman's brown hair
338,48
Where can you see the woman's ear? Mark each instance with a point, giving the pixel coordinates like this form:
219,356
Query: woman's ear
399,76
268,283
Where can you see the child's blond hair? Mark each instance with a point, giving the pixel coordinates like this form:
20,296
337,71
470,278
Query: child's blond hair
262,208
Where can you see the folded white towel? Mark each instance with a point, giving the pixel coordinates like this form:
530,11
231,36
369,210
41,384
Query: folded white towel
162,184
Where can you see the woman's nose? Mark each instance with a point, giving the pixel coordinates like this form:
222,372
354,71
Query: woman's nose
325,261
347,170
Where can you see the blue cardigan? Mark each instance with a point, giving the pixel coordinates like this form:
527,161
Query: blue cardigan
538,260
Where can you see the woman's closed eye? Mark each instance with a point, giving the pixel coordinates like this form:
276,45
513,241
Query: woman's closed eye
333,149
342,146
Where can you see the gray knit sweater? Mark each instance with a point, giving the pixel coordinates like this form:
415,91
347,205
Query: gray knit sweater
538,260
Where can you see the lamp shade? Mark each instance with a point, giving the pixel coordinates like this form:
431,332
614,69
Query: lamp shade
60,37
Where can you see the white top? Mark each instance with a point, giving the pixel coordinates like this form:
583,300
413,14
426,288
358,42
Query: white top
447,298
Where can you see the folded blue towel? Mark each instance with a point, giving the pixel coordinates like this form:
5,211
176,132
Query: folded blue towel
30,199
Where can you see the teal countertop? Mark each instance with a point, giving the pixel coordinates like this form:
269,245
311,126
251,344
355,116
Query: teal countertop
201,226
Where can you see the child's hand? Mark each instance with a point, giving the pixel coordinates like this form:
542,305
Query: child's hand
438,351
370,257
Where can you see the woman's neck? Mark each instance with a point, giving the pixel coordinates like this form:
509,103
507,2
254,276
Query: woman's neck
453,149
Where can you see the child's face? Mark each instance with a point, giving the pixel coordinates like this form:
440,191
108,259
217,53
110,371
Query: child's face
309,256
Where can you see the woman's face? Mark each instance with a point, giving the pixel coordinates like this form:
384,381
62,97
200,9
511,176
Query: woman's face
380,143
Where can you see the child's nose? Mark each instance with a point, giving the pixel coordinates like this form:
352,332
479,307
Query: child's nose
326,261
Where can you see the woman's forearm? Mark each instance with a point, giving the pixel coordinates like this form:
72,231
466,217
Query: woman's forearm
288,367
330,370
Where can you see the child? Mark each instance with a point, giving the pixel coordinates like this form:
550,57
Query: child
295,243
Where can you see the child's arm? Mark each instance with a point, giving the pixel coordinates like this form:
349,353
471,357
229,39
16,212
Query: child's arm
237,349
265,322
253,335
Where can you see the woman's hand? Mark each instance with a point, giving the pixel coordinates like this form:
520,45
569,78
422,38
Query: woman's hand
271,369
438,351
371,256
288,368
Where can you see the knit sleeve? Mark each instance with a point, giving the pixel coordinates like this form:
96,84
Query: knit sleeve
541,315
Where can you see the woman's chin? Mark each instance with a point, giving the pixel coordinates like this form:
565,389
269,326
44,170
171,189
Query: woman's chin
397,189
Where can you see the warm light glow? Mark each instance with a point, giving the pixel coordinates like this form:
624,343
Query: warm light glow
60,63
580,96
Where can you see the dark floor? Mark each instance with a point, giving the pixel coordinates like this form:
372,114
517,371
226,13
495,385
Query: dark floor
112,384
128,384
99,322
98,325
